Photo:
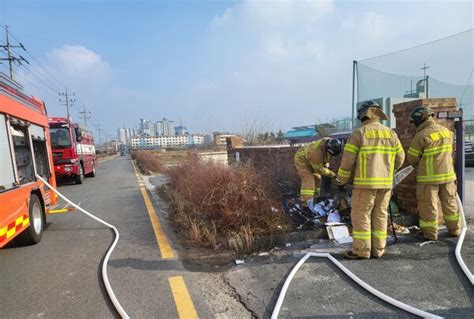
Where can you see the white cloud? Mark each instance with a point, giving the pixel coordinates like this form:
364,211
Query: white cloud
73,65
366,25
284,13
84,72
76,61
374,24
221,20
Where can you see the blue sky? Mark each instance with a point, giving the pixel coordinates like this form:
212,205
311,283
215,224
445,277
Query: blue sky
221,65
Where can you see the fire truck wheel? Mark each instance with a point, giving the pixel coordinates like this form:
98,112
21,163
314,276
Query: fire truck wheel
80,175
32,235
92,174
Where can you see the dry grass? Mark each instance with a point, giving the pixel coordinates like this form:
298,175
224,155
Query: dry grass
218,206
147,161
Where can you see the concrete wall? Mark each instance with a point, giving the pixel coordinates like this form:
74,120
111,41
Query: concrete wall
215,157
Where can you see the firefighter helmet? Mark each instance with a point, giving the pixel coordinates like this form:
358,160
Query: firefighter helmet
420,114
370,109
333,146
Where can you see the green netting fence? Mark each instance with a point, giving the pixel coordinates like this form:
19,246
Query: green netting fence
441,68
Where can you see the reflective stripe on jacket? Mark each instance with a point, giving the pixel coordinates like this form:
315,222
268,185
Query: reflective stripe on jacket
372,154
314,156
432,151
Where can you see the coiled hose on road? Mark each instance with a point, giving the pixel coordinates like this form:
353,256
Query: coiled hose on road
105,278
371,289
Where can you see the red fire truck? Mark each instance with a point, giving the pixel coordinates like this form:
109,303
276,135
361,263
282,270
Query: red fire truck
25,151
73,150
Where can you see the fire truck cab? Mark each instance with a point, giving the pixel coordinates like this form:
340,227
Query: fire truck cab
73,149
25,151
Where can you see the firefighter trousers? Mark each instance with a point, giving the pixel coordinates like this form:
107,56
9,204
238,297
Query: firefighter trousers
369,221
429,197
310,183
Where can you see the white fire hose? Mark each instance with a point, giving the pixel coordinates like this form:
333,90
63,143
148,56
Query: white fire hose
461,241
397,179
108,287
351,275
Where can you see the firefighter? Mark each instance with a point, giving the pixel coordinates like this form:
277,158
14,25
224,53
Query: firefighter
431,150
312,162
371,156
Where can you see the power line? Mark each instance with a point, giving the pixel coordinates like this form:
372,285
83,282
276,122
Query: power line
8,47
57,82
67,101
41,80
100,130
38,75
85,115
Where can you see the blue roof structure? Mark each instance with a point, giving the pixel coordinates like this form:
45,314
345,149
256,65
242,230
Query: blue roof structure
297,134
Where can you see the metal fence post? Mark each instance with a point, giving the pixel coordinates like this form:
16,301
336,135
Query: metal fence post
460,156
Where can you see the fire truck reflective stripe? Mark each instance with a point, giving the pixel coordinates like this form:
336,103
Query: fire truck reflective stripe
19,221
9,231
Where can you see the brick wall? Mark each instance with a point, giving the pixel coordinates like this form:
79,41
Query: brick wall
406,191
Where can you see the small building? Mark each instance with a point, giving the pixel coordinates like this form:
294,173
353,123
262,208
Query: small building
301,134
220,138
174,141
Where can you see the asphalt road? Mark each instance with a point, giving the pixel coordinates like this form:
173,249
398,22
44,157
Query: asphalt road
60,277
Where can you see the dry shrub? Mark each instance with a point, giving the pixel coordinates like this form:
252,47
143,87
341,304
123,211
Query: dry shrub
147,161
214,204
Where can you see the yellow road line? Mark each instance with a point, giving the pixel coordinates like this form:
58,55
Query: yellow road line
163,243
182,299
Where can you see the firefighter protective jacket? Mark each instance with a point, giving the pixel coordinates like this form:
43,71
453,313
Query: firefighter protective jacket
314,156
372,153
432,151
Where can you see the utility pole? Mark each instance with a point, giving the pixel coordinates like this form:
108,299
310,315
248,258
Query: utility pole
425,78
100,130
85,115
10,57
67,101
